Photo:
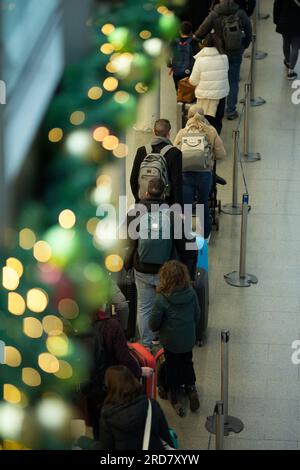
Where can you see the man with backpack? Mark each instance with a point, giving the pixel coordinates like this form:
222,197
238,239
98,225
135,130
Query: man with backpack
153,239
183,51
158,160
233,26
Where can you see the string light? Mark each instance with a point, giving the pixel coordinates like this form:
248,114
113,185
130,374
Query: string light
16,303
121,151
16,265
141,88
52,325
58,345
10,278
65,370
111,142
153,46
12,357
37,300
77,118
55,135
42,251
100,133
121,97
92,225
114,263
67,219
11,420
32,327
95,93
145,34
11,394
48,363
110,84
68,309
108,29
31,377
27,239
107,48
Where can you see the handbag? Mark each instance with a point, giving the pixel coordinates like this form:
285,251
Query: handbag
148,425
186,91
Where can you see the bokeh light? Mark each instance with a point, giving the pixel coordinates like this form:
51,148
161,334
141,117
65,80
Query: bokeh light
77,118
121,151
55,135
145,34
11,420
37,300
10,278
32,327
108,29
16,265
114,263
67,219
48,363
107,48
95,93
42,251
121,97
31,377
100,133
110,142
79,143
110,84
12,356
58,345
68,309
153,46
27,239
92,225
52,325
11,394
52,413
16,303
65,370
141,88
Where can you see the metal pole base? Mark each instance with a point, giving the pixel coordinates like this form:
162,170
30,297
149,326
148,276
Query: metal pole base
261,55
250,157
257,101
231,209
234,279
233,424
263,16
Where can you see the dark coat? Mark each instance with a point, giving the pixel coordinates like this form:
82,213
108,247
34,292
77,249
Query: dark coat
247,5
115,345
175,317
174,162
213,22
287,17
122,426
188,257
195,11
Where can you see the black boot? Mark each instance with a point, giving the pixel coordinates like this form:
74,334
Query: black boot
177,404
193,397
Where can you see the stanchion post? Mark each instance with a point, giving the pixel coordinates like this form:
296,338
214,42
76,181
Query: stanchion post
219,425
253,100
248,157
259,55
234,208
231,424
241,278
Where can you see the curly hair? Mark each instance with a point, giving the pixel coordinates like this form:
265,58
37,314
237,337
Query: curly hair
173,276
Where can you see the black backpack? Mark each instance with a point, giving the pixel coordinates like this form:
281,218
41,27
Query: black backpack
183,60
231,32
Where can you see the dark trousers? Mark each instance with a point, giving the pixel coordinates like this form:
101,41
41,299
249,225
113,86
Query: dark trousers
180,370
235,63
291,45
217,120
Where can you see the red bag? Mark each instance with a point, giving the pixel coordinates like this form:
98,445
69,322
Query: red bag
145,359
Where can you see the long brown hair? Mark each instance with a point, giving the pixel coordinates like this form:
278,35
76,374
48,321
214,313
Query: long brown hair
173,276
122,387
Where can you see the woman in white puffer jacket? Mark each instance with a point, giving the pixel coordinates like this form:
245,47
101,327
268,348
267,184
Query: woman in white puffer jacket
210,77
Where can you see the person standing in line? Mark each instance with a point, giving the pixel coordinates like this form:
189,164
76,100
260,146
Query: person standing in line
175,315
287,19
233,26
247,5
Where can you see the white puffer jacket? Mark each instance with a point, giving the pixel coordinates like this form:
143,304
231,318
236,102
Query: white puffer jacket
210,74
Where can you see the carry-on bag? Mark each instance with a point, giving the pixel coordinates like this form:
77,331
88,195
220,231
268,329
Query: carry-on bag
201,287
145,359
202,262
127,286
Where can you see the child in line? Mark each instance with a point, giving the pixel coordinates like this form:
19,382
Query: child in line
175,316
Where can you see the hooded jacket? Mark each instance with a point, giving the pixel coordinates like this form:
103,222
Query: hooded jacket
199,122
122,426
210,74
213,22
176,316
287,16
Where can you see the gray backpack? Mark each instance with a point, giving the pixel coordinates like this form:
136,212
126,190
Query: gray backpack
155,237
154,166
196,150
232,32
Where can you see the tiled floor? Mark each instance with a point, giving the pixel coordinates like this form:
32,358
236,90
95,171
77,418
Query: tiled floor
263,320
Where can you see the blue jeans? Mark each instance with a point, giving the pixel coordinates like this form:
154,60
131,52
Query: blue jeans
146,291
198,185
235,63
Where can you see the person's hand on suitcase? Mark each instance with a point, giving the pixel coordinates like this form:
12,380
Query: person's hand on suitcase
147,371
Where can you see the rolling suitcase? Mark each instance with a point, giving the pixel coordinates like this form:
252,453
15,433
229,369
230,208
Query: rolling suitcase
201,287
202,262
127,286
145,359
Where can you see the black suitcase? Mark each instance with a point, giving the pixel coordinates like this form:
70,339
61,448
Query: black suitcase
127,286
202,289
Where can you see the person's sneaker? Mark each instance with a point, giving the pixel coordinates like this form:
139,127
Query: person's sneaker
155,341
232,116
291,75
194,398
